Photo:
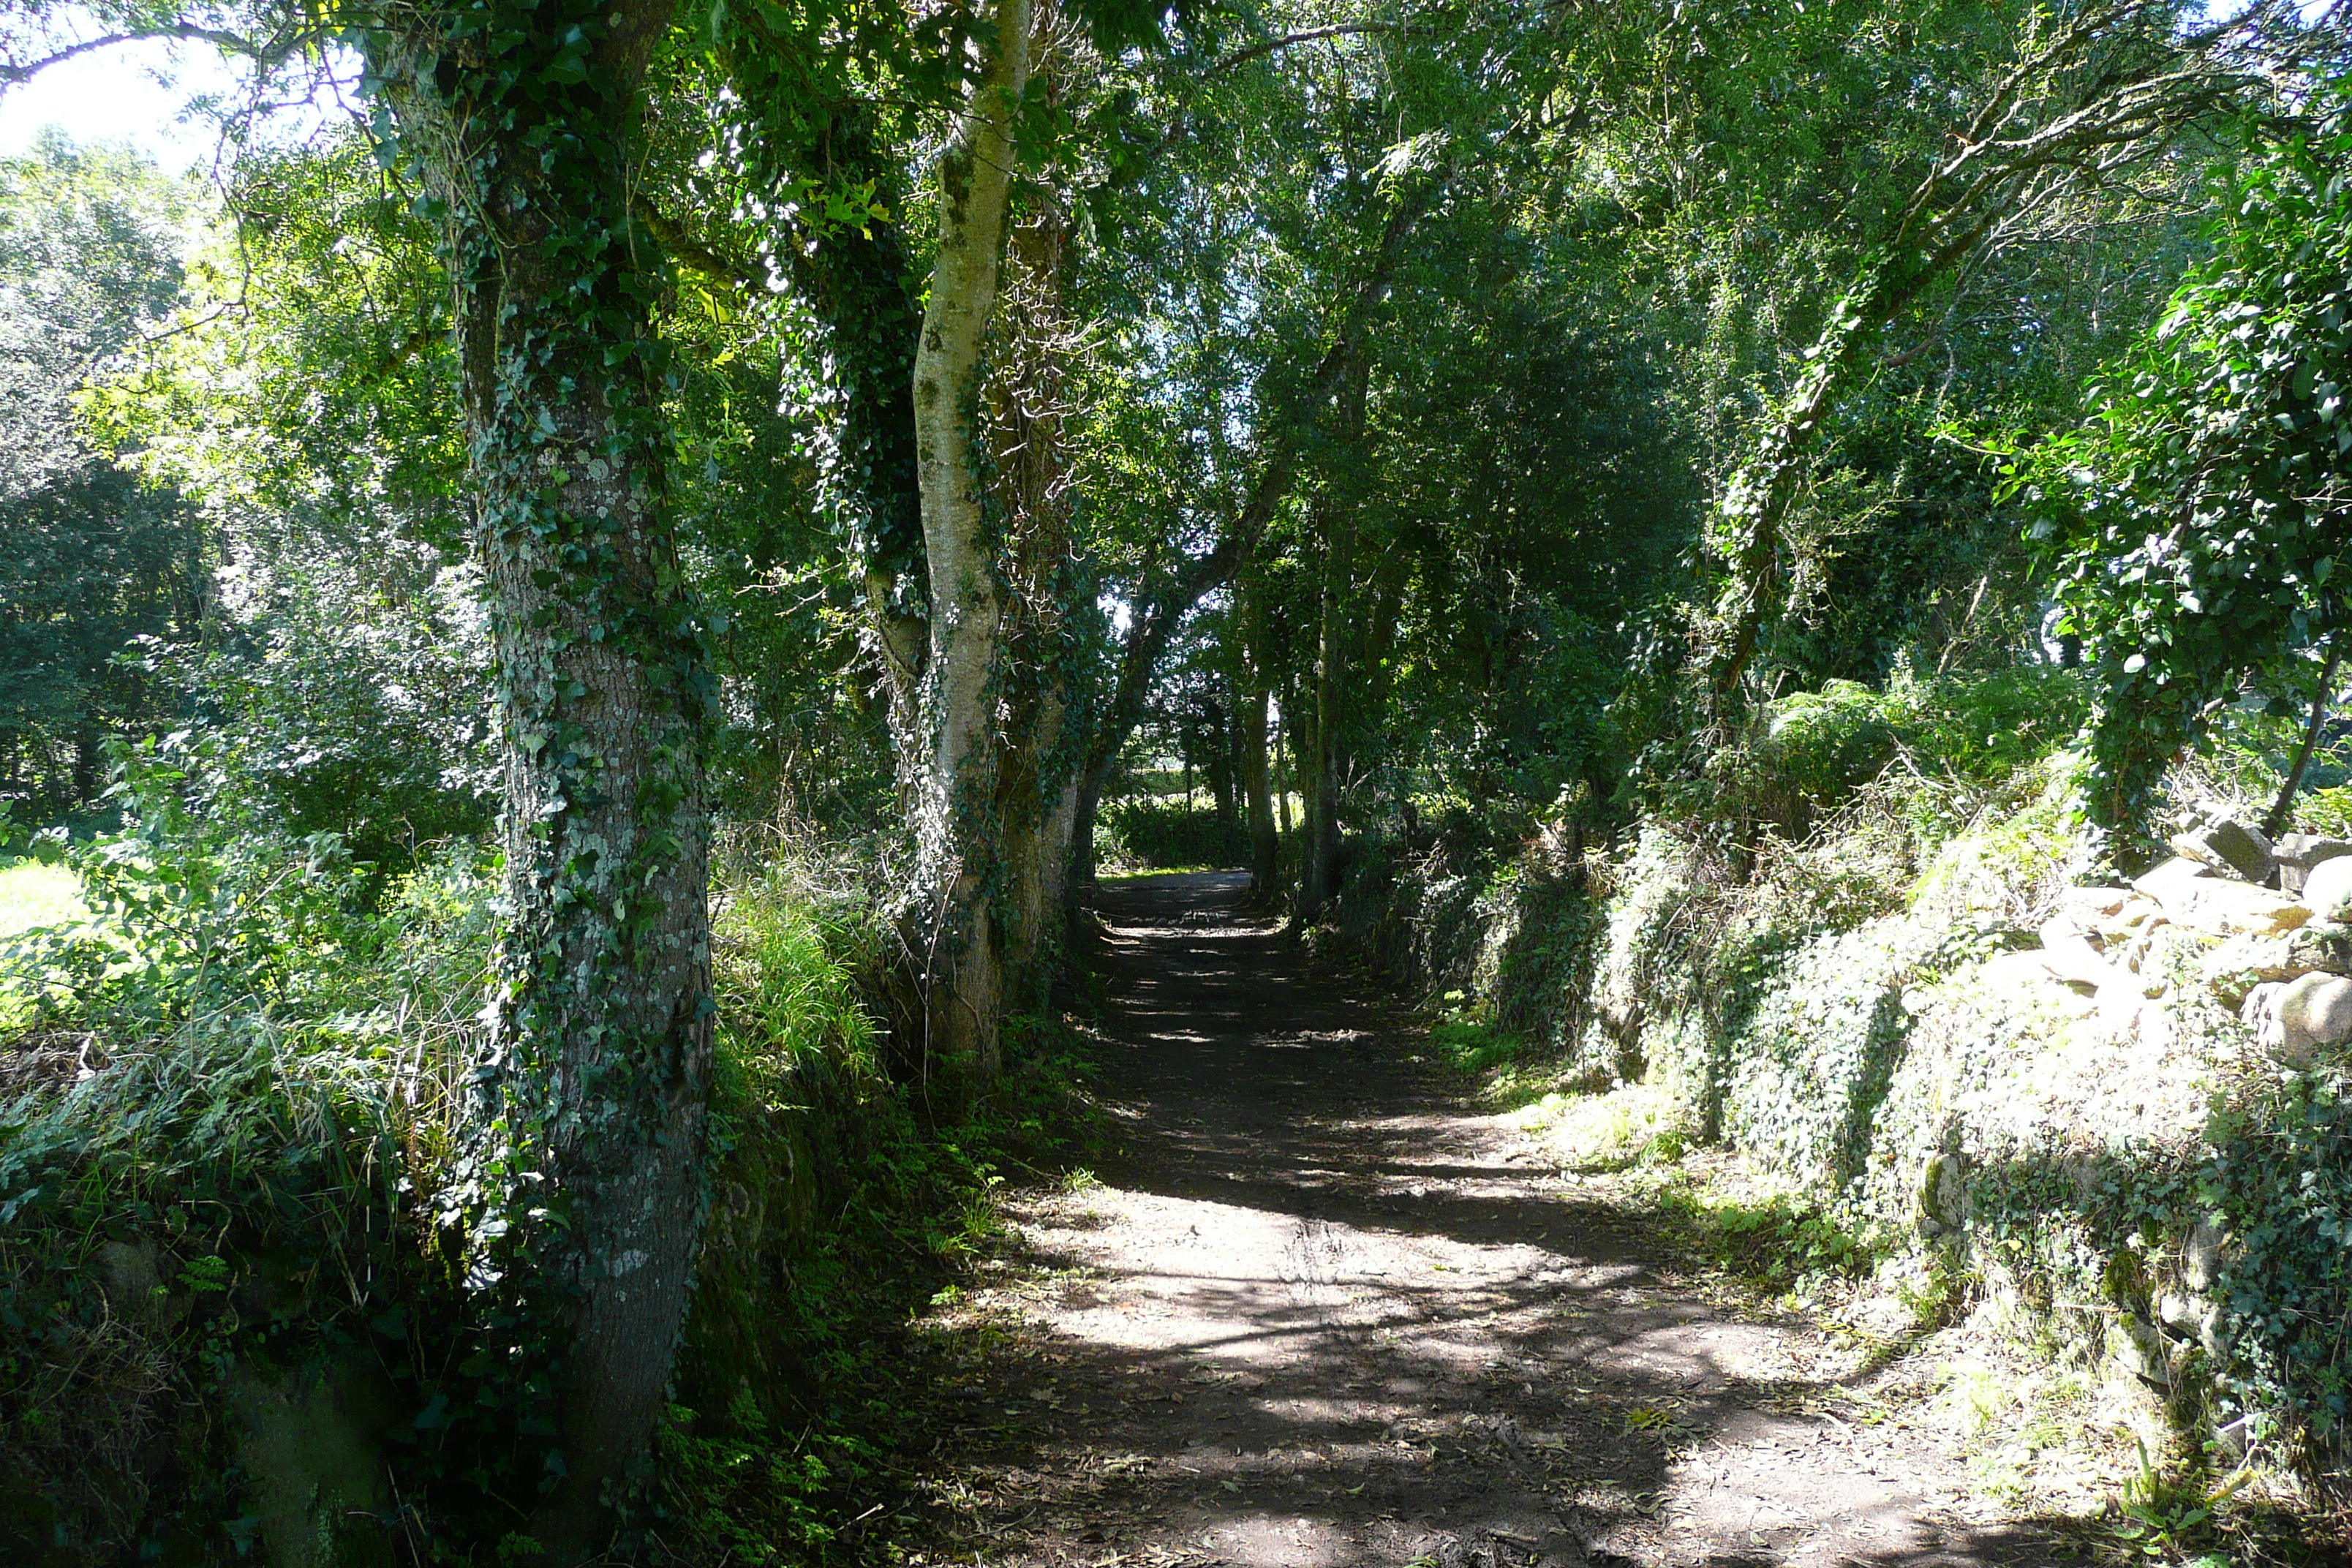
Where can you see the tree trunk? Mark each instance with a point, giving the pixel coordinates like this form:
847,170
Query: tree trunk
857,285
1320,752
1285,772
1266,850
1222,777
2275,822
592,1096
1028,403
1317,876
950,922
1282,447
86,771
1085,805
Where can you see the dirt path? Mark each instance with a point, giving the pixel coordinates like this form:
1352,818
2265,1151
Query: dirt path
1317,1313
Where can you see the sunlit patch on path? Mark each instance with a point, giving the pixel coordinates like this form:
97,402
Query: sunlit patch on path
1315,1313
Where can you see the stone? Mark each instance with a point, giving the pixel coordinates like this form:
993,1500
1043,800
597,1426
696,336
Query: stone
2296,1020
132,1275
2024,977
2170,878
2200,1257
312,1446
1944,1196
2229,844
2089,908
2193,896
2238,909
2140,1349
2189,1317
2123,1011
2321,946
2243,962
2168,953
2299,853
2135,916
2067,953
2328,888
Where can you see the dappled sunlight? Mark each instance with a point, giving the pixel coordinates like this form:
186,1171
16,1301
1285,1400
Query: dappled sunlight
1312,1314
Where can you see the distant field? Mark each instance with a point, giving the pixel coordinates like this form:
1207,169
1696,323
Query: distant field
32,894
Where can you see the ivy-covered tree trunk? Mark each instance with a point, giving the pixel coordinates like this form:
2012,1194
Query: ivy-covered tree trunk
589,1119
1028,403
951,913
2105,87
856,282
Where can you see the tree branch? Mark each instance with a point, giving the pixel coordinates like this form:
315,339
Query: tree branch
1260,50
185,32
684,247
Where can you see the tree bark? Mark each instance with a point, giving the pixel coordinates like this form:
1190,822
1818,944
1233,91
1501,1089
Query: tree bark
1317,871
1028,404
1266,850
950,922
1224,769
857,285
1285,768
588,1122
2275,821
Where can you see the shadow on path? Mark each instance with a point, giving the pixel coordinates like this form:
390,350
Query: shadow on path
1315,1312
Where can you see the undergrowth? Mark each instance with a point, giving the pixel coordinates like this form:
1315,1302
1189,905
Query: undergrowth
1148,833
231,1105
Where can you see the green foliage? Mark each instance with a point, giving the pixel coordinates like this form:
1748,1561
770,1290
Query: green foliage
2168,1517
841,1206
1469,1045
89,560
225,1139
306,403
1815,751
1149,834
233,1084
333,703
1782,1243
2196,522
1818,1056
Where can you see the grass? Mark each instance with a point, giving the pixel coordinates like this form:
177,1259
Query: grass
1145,873
1495,1057
1634,1124
32,894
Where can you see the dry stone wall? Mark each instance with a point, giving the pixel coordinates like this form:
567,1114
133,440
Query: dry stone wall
2110,1110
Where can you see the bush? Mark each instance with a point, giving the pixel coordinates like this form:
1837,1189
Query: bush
233,1305
1151,835
347,700
229,1096
1951,736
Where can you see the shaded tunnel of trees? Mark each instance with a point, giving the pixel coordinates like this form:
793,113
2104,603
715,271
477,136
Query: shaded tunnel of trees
939,450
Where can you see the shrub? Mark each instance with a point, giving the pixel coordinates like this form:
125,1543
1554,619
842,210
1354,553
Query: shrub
233,1216
1952,736
226,1102
1147,834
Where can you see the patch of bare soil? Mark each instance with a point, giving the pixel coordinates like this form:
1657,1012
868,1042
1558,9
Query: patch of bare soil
1320,1311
